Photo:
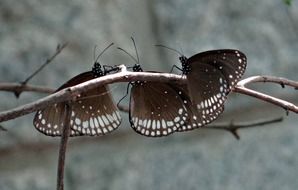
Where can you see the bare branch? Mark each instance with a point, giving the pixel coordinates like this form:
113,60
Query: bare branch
234,127
241,88
230,127
18,88
278,80
49,60
22,85
62,148
71,93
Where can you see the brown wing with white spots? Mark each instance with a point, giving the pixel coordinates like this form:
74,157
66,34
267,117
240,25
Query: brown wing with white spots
49,121
156,109
94,113
212,76
196,118
208,90
214,69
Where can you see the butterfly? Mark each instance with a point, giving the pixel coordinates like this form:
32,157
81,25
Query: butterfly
93,113
155,108
210,75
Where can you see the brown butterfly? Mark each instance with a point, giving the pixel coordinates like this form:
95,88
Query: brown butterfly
93,113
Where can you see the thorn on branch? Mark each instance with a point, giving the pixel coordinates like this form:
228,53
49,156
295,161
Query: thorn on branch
58,47
282,85
19,90
234,133
287,111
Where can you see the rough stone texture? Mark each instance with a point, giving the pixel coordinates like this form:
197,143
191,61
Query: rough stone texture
265,158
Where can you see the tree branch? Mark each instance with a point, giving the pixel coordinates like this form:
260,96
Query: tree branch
71,93
126,76
18,88
241,88
62,148
49,60
233,127
23,85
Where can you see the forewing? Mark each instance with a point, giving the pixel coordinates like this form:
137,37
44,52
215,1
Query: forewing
231,64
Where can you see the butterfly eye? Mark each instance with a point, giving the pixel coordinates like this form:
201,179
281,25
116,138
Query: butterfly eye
183,59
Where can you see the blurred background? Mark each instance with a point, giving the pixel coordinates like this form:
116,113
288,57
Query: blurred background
266,31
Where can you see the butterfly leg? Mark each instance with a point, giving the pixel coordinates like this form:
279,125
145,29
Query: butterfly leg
127,90
176,67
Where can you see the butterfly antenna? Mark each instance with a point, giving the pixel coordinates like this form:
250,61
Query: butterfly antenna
94,50
181,50
103,52
159,45
134,44
128,54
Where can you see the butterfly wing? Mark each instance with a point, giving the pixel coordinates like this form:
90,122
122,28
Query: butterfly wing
94,112
50,121
156,109
227,65
212,76
196,118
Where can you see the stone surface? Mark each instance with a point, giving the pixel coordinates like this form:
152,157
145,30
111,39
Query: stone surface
264,158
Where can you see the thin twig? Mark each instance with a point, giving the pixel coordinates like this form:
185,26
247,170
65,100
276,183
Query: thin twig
234,127
231,127
288,106
17,87
62,148
22,85
49,60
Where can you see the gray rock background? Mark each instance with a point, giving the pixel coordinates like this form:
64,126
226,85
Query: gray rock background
265,157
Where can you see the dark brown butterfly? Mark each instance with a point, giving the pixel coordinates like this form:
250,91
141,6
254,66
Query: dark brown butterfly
211,75
155,108
93,113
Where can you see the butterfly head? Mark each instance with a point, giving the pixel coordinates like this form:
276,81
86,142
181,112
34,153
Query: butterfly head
185,65
97,71
137,68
